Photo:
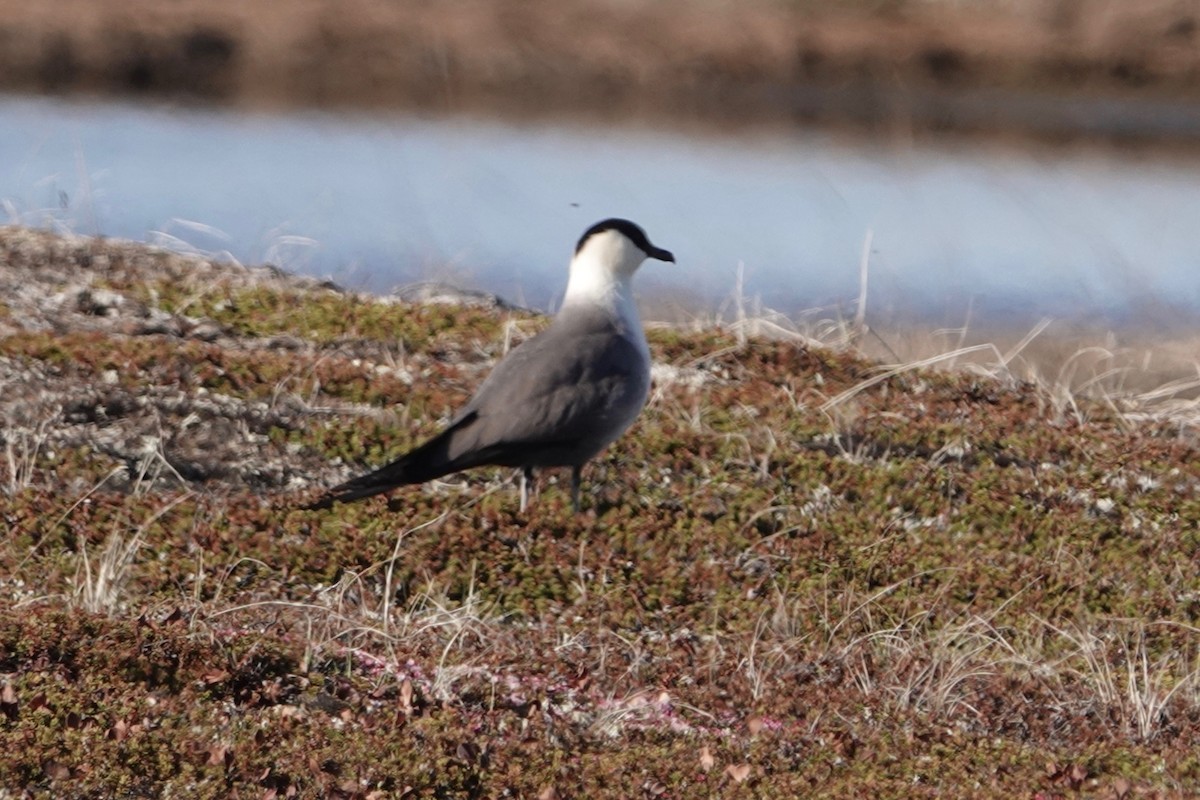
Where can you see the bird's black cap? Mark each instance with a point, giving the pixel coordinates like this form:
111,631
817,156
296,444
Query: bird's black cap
631,232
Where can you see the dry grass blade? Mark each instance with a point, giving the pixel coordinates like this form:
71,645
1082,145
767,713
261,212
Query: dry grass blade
21,449
98,587
892,372
1117,664
860,309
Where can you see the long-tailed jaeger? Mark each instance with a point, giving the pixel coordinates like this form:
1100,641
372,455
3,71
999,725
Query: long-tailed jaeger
559,398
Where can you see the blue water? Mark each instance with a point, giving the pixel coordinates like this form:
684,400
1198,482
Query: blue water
379,201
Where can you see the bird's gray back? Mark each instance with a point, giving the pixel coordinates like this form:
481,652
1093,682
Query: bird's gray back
559,398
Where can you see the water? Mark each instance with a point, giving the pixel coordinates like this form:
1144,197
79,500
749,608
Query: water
379,201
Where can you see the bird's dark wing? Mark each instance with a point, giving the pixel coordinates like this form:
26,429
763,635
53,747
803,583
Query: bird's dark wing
557,399
561,396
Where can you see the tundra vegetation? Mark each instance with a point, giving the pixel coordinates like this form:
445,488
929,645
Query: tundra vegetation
802,573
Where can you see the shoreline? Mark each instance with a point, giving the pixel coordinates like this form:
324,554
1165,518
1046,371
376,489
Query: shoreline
1129,361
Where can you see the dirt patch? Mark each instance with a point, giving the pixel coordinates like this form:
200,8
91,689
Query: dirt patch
894,66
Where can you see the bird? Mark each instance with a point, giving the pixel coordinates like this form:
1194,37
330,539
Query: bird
559,398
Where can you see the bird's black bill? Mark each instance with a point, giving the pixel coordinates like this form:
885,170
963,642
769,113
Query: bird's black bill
662,255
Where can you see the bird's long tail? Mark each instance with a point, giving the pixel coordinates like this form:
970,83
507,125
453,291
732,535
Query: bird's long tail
424,463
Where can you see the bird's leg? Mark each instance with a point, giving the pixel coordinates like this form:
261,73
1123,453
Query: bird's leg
526,479
576,482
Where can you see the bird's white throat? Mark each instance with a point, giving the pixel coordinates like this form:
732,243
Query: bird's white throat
601,274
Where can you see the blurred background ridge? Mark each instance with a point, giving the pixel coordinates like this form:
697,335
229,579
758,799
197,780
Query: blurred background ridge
1052,68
